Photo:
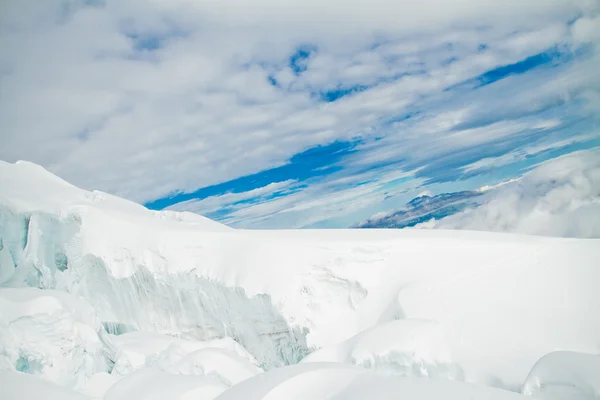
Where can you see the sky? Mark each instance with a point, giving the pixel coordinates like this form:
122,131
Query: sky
292,114
560,197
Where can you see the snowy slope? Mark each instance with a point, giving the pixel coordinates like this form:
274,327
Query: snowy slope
459,305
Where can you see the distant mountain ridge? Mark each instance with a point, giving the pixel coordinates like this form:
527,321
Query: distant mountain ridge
422,209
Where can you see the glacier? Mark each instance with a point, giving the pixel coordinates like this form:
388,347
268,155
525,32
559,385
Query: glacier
102,297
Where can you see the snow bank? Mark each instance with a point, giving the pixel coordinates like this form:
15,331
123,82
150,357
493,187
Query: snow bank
339,381
565,375
153,384
144,270
223,358
27,187
18,386
222,364
51,334
558,198
98,384
406,347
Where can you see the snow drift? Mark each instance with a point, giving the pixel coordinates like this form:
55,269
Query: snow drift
140,297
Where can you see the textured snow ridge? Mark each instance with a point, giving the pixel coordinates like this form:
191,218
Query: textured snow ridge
225,359
44,251
406,347
18,386
565,375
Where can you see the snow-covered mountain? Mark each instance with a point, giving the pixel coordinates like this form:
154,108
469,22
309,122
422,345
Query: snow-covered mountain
102,298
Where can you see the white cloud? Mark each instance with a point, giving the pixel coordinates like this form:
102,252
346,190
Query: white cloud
214,203
522,153
558,198
78,99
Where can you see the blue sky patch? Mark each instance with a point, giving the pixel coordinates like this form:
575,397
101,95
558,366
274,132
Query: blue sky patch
314,162
549,57
336,94
146,42
299,60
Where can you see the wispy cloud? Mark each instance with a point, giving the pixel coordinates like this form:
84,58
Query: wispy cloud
525,152
198,103
233,200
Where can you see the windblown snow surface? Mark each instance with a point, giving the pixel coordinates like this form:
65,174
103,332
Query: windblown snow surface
102,298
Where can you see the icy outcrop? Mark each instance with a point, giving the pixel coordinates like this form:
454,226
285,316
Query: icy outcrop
190,307
137,350
347,382
225,365
52,334
153,384
44,251
407,347
565,375
98,384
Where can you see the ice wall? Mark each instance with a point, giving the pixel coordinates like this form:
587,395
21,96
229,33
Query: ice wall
192,307
33,247
43,250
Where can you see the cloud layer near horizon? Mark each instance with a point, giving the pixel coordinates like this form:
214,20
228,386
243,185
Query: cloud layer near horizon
558,198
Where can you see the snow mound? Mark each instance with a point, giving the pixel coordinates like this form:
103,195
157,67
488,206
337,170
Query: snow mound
98,384
28,187
153,384
407,347
501,318
346,382
138,350
565,375
222,364
51,334
18,386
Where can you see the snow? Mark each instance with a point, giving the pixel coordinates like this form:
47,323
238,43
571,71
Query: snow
153,384
137,350
108,298
18,386
565,375
98,384
406,347
339,381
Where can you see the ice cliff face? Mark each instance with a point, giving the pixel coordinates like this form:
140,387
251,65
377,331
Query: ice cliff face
44,251
130,289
